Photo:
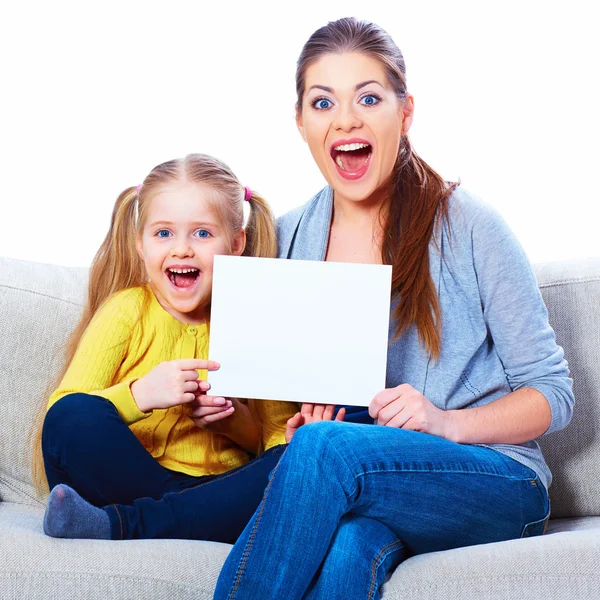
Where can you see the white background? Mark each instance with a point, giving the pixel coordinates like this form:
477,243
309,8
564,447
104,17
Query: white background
94,94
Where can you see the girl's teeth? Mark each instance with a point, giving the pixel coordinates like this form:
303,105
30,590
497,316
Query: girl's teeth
339,162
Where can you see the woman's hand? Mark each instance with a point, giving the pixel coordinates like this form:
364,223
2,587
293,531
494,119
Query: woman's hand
170,383
311,413
406,408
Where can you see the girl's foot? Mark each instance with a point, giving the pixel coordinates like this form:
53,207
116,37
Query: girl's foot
68,515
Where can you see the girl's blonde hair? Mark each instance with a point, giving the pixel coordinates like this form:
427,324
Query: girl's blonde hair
118,266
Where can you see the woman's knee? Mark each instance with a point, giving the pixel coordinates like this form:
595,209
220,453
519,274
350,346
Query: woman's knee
319,438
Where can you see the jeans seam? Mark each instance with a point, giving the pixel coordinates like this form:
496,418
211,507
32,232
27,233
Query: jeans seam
445,471
241,567
120,520
381,555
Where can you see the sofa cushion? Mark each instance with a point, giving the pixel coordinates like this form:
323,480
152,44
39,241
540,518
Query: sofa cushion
571,291
557,566
39,306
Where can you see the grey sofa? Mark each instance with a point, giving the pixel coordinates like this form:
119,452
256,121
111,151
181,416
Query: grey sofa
40,303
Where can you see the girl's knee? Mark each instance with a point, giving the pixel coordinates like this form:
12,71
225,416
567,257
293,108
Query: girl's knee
74,411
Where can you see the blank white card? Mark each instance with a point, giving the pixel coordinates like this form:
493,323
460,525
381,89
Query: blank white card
297,330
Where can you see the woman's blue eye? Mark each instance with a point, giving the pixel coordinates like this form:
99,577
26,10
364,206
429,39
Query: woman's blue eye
163,233
202,233
369,100
322,104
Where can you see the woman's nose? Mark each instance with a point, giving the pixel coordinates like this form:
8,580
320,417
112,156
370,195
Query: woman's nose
346,118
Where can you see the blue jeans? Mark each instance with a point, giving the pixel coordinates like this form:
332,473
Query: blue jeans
349,502
87,446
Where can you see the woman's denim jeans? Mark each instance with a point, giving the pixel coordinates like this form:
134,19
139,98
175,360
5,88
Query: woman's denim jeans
87,446
349,502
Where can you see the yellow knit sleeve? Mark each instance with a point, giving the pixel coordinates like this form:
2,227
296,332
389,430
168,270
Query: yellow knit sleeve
273,415
100,353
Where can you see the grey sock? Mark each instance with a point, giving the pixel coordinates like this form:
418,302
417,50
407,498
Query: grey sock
68,515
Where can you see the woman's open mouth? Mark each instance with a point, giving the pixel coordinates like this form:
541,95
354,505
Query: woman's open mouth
183,278
352,159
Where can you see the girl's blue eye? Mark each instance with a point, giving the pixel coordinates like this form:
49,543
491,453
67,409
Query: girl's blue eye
322,104
202,233
163,233
370,100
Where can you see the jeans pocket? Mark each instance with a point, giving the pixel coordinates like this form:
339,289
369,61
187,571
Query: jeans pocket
538,527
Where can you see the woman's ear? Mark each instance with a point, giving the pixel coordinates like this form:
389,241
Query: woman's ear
408,110
299,123
238,244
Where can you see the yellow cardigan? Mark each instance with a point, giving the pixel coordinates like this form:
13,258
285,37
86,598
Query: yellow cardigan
127,337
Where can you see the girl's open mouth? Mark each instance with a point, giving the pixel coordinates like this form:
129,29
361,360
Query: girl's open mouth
352,160
183,278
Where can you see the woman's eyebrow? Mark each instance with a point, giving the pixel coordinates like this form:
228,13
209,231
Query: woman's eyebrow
357,87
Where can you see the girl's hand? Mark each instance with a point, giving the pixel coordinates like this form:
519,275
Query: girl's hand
208,412
406,408
311,413
226,416
170,383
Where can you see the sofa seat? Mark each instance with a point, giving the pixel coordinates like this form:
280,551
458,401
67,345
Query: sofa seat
564,563
33,565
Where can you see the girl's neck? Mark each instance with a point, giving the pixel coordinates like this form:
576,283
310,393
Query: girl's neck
197,317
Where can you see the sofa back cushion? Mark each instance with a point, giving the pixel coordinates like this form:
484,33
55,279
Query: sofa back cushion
571,291
40,304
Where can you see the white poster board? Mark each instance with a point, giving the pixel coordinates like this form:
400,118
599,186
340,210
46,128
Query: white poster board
296,330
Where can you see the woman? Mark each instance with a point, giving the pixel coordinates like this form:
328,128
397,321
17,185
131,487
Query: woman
348,502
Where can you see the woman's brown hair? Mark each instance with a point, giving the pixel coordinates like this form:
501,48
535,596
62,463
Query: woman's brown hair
418,195
118,266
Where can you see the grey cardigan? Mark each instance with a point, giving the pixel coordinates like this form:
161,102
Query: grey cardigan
494,325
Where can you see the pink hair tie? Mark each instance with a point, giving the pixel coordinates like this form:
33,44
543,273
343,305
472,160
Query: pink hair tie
248,194
138,188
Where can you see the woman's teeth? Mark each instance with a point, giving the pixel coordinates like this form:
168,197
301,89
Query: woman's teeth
350,147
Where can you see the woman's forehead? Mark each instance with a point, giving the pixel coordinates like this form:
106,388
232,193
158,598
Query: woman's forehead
342,71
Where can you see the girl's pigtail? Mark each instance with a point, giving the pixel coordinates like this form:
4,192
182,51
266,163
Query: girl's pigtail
261,236
115,267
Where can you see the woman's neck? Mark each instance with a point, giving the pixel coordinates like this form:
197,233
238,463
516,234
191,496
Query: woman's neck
367,213
356,231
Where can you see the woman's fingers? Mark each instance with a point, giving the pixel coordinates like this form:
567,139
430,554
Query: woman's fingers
341,414
401,421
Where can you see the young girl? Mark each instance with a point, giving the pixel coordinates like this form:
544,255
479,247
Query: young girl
131,418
